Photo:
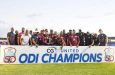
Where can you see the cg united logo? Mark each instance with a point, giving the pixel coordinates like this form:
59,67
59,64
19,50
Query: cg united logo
51,49
9,55
109,54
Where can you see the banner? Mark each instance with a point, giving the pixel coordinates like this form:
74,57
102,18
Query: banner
56,54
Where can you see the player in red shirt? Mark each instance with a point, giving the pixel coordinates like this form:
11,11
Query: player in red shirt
58,40
61,39
43,40
20,34
73,39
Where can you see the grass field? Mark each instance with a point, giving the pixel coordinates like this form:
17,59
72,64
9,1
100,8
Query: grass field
59,69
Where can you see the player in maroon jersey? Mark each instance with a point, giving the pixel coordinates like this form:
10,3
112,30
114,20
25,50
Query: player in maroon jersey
20,34
58,40
43,40
73,39
65,36
61,39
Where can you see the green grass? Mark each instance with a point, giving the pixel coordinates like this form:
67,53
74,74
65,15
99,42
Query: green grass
59,69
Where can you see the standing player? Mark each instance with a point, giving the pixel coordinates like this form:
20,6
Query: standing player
35,38
46,35
43,40
73,39
60,39
11,37
16,38
20,34
30,32
65,36
25,38
96,39
51,37
89,41
102,38
82,38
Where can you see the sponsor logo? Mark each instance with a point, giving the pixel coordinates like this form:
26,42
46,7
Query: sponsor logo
51,49
9,55
109,54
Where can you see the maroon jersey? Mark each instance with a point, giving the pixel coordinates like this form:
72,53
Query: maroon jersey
20,34
51,35
61,41
73,40
65,37
43,40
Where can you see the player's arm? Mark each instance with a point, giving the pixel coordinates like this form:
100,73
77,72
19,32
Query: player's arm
78,39
21,39
69,42
18,40
30,41
92,43
98,42
33,42
106,40
63,42
8,39
19,35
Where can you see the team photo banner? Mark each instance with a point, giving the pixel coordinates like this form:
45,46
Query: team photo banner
55,54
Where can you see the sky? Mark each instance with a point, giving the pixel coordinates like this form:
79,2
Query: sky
88,15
